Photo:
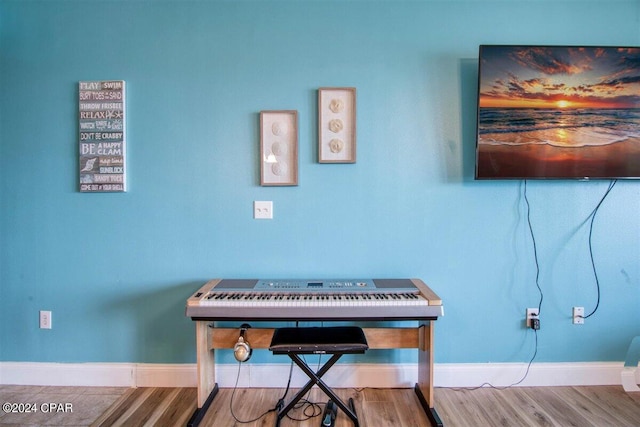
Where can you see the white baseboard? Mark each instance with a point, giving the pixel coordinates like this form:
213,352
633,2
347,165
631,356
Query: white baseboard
66,374
540,374
341,375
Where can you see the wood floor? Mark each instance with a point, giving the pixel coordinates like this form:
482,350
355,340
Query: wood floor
599,406
602,406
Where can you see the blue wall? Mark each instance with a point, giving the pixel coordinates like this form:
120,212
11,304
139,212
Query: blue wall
116,269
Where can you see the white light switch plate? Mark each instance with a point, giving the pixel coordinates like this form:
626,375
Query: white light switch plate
262,209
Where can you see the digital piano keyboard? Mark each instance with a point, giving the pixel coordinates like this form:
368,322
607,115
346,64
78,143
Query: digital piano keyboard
264,301
334,299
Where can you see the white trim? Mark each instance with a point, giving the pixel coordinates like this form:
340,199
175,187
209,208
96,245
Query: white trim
341,375
540,374
66,374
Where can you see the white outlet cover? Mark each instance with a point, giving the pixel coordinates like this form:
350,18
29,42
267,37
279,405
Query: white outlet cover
45,319
578,315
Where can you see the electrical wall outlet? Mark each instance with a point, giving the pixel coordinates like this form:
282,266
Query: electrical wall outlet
262,209
532,313
578,315
45,319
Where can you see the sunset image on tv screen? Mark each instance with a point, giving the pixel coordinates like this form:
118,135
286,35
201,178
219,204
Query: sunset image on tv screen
558,112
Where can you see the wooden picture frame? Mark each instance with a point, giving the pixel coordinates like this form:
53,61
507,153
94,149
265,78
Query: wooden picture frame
279,147
337,125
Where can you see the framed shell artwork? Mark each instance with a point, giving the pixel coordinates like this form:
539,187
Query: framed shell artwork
279,147
337,125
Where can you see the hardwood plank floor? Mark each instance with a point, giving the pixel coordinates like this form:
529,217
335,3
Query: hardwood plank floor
597,406
601,406
87,404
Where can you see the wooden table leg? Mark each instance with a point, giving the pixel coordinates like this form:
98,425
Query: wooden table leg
207,387
424,387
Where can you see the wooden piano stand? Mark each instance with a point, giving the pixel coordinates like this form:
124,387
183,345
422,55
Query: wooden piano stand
209,338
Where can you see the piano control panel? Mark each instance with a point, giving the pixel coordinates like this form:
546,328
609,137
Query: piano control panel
315,285
311,286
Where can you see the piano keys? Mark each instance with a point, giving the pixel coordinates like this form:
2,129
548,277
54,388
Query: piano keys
363,299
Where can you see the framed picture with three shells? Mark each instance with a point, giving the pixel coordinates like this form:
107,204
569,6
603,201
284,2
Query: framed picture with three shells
337,125
279,147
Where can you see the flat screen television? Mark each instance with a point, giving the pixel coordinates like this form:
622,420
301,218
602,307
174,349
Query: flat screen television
558,112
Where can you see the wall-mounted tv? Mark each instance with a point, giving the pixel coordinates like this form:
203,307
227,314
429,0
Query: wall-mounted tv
558,112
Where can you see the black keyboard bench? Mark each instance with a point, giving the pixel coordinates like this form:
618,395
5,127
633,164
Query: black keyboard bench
335,340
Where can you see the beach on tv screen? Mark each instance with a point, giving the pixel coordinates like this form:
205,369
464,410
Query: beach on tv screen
554,112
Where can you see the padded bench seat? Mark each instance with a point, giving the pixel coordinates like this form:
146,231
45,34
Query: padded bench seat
334,340
313,340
